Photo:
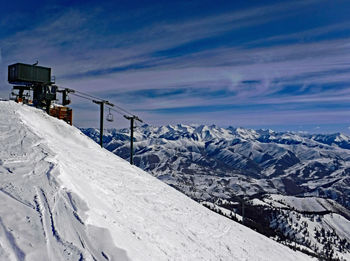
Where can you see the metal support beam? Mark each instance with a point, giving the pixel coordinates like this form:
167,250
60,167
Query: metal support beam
65,92
132,123
132,141
243,211
101,123
102,103
21,90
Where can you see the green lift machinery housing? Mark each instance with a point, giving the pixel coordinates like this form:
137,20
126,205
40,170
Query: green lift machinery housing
35,78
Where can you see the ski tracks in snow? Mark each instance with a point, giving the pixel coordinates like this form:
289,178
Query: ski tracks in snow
11,243
45,220
39,219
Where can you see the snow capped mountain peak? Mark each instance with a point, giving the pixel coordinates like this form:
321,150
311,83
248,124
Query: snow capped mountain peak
64,198
341,137
338,139
247,134
266,131
203,150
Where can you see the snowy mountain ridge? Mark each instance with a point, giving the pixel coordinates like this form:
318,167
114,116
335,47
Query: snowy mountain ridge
64,198
213,164
274,162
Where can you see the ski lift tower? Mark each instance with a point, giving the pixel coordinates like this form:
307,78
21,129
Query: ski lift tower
33,78
102,103
132,120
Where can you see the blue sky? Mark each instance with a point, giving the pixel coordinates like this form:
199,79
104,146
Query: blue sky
283,65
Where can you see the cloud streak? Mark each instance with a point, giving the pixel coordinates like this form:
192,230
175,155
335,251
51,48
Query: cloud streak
202,66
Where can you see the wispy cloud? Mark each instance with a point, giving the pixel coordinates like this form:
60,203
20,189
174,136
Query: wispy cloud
230,61
70,37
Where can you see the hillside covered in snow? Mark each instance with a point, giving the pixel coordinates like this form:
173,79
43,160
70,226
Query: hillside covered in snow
295,185
238,161
62,197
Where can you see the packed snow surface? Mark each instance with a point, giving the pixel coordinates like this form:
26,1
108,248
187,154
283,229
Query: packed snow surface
62,197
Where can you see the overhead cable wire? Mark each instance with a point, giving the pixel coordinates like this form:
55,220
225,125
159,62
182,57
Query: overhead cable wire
94,97
121,113
81,96
90,97
120,108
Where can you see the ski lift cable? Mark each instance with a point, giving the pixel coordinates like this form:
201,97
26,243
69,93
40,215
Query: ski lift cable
94,97
128,117
97,98
115,108
81,96
119,112
120,108
89,95
90,99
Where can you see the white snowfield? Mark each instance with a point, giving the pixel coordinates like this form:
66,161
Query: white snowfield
62,197
305,204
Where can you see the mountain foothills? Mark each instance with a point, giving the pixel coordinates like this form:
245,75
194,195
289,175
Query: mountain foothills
62,197
292,187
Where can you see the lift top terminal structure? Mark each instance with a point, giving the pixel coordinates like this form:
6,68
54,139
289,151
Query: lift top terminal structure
38,80
28,78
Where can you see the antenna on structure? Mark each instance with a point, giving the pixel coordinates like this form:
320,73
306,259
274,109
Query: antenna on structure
132,123
36,63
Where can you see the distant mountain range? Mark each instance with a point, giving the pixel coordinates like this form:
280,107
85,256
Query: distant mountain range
208,161
229,165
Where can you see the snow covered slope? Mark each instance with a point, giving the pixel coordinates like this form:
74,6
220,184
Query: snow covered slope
313,223
64,198
249,162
